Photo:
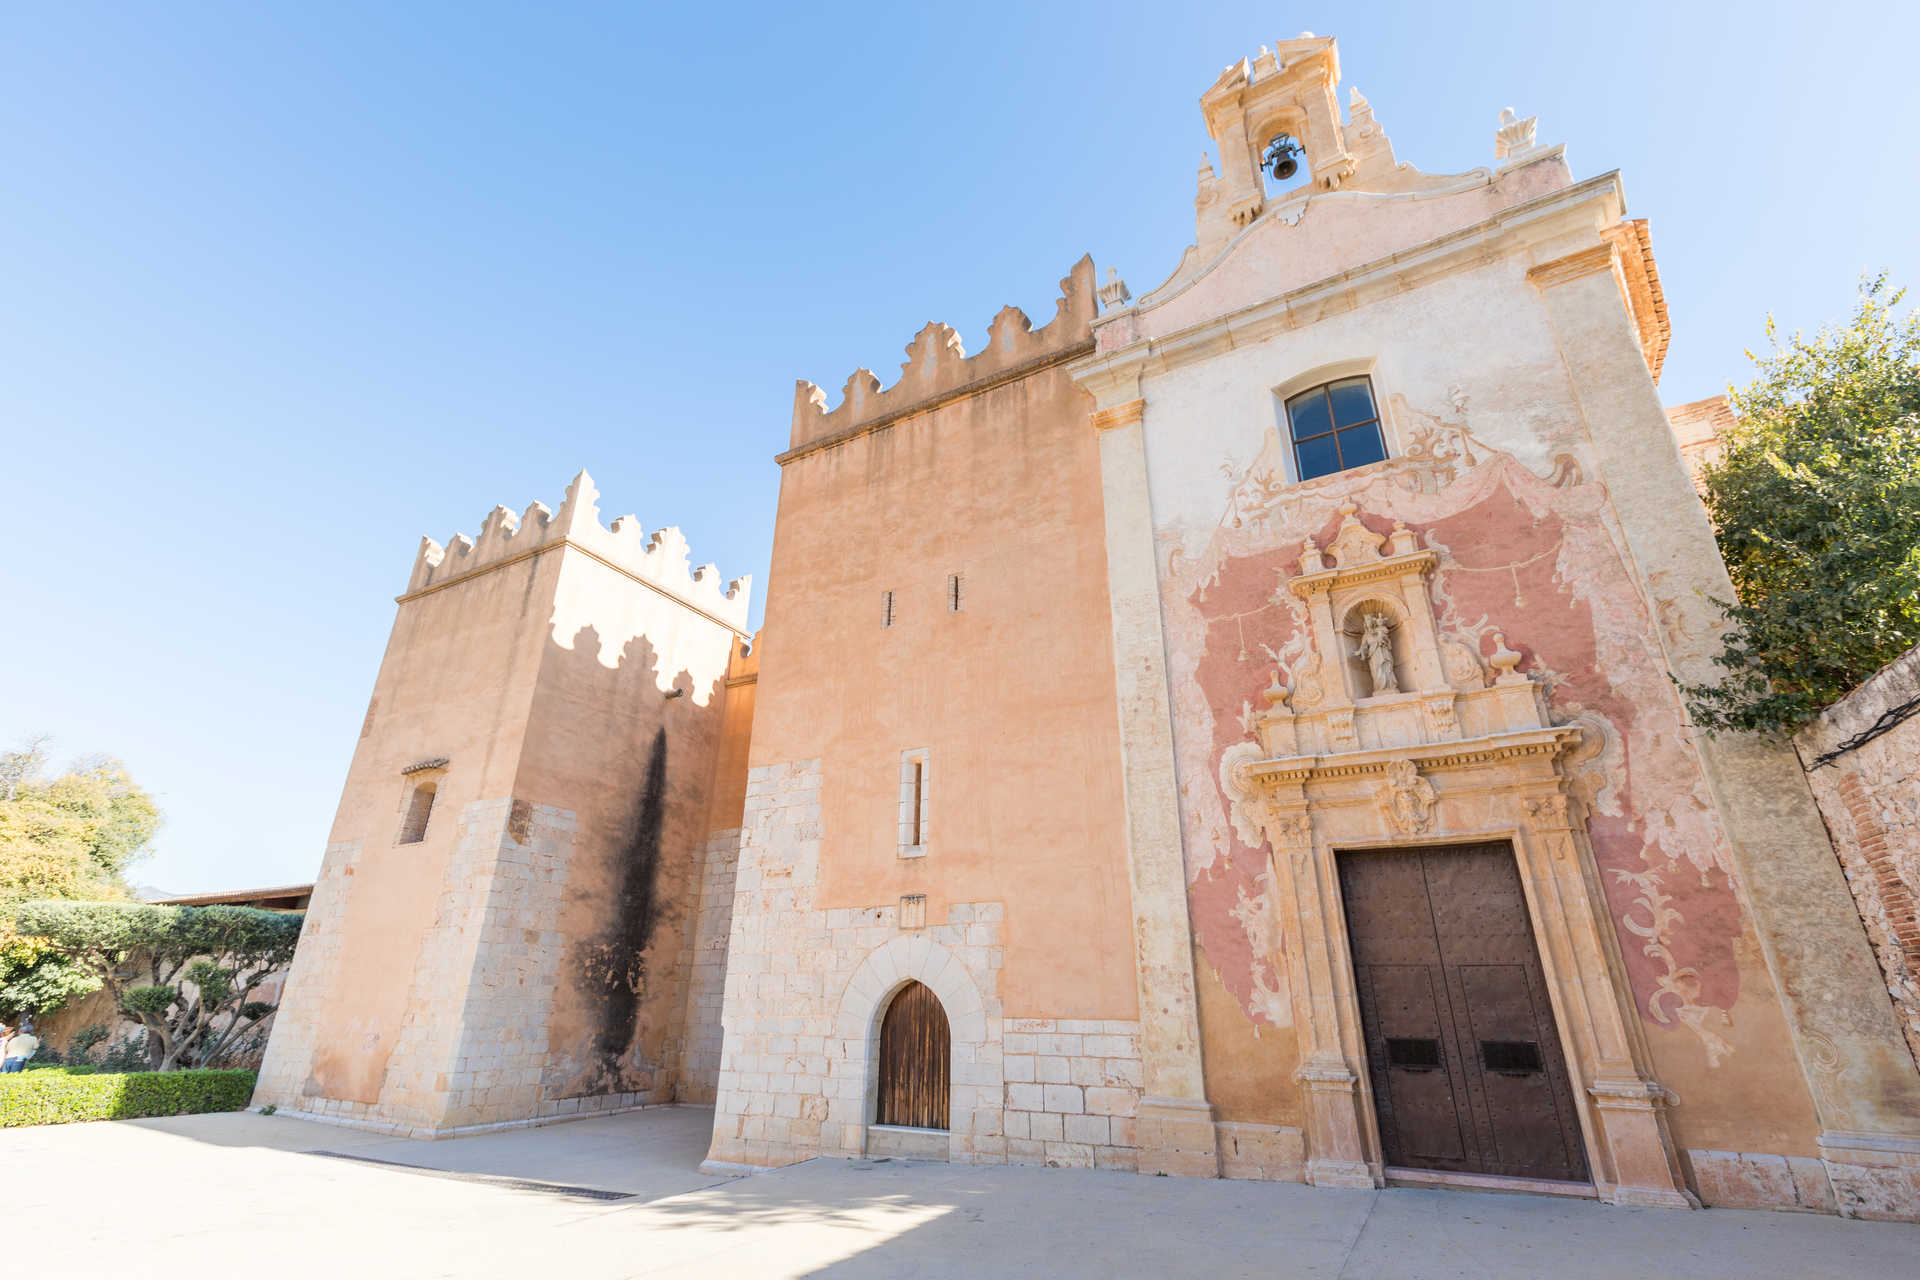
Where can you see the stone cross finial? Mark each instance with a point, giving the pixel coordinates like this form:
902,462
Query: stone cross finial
1514,137
1113,294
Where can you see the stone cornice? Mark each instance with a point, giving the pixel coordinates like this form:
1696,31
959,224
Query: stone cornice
1307,584
1571,209
1574,266
1459,754
1119,415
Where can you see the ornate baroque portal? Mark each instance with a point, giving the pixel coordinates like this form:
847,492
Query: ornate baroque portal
1404,739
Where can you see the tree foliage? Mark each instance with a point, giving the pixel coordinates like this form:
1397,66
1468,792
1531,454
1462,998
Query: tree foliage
186,974
72,837
1815,500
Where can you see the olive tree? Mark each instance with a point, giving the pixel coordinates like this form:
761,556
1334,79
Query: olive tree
186,974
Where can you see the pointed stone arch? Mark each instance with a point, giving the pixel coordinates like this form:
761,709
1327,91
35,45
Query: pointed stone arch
978,1082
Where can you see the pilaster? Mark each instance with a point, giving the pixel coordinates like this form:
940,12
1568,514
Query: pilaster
1175,1129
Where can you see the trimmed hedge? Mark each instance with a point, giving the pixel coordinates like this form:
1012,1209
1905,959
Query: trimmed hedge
62,1095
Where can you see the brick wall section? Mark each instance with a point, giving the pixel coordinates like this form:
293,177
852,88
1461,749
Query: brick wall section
706,966
1871,802
804,990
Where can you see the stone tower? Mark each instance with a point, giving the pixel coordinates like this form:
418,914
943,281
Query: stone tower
508,922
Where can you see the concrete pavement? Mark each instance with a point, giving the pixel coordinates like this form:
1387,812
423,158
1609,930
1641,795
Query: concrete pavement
243,1194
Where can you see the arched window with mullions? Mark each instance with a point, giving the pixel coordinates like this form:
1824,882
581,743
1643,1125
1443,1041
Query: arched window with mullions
1334,427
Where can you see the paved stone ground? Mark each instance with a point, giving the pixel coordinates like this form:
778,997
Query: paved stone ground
209,1197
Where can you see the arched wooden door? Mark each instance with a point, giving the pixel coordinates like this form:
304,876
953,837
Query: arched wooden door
915,1050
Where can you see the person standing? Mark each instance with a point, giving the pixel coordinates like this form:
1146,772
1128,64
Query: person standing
21,1046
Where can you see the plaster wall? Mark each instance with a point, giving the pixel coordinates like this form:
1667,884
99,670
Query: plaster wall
1006,701
1494,463
1011,696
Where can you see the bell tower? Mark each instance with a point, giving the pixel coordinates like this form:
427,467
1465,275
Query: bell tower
1288,89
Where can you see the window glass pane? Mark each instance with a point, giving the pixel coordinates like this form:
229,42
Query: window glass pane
1352,402
1361,445
1317,457
1309,414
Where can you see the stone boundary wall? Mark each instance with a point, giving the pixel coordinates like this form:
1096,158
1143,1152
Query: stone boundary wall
706,967
1870,798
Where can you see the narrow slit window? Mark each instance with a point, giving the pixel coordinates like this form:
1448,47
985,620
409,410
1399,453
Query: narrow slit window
953,593
916,797
419,811
886,608
919,801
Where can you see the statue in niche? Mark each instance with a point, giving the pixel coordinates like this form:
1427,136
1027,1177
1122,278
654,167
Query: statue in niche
1375,649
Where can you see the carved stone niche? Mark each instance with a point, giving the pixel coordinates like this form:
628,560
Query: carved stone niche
1437,693
1445,758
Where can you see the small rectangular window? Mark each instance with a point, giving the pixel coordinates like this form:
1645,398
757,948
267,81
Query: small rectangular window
919,801
419,812
953,593
886,608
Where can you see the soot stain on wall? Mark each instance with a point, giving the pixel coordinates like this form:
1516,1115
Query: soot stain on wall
613,967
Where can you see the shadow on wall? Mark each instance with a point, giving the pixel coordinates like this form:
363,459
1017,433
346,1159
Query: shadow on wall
636,766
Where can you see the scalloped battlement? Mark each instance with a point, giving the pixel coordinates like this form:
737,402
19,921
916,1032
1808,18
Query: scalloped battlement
660,560
937,365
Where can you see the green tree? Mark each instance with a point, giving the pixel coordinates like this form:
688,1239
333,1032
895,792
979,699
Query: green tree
1815,500
187,974
73,837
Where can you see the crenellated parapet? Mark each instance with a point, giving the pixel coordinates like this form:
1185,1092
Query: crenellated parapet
660,559
938,368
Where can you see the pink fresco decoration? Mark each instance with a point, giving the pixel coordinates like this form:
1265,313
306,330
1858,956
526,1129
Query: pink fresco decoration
1535,558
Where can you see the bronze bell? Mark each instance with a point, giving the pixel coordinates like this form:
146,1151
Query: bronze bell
1282,158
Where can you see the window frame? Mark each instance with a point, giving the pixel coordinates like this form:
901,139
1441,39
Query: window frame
1324,388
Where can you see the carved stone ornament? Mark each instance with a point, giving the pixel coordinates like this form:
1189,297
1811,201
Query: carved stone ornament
1406,798
1550,812
1114,294
1514,137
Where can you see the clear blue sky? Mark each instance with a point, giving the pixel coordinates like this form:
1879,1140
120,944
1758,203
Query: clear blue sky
285,286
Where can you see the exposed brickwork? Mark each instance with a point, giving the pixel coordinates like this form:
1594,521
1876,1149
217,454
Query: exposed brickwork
1872,806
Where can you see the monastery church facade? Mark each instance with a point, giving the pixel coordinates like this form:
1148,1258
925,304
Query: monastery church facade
1243,745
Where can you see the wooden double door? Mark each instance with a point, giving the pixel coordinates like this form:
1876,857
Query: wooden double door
1462,1052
